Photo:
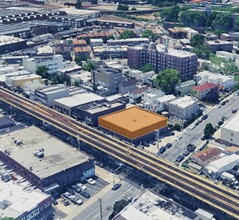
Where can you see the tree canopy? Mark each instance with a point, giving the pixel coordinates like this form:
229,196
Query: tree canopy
170,14
118,207
202,51
208,130
223,20
146,68
127,34
43,72
197,40
122,7
167,80
88,66
148,34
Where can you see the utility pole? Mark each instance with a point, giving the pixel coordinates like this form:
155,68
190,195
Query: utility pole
100,203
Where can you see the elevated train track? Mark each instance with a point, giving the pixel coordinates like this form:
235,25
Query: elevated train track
203,189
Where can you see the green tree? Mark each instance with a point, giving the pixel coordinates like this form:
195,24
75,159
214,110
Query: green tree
197,40
118,207
148,34
170,14
202,51
88,67
43,72
133,9
229,68
208,130
7,218
193,18
223,20
146,68
127,34
167,80
122,7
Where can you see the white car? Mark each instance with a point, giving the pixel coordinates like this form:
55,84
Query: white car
91,181
82,186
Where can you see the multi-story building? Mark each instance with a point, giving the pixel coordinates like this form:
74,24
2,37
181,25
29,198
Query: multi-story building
82,52
206,91
128,41
9,44
220,45
107,77
230,131
177,33
48,94
163,58
227,82
53,63
127,86
184,108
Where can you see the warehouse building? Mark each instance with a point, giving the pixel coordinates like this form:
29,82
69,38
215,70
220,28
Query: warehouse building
134,124
18,203
44,161
9,44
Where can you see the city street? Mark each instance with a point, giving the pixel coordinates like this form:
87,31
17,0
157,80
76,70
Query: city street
194,136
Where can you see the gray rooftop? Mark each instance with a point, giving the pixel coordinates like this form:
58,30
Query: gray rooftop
58,156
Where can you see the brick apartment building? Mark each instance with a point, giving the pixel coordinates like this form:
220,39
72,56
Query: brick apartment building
163,58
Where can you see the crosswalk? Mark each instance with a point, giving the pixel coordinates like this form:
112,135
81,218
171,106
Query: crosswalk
131,191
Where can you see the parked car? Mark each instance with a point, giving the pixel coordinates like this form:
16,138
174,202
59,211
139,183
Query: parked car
116,186
203,138
54,202
82,186
85,194
186,153
162,150
91,181
179,158
76,188
191,147
204,117
66,202
234,111
220,123
168,145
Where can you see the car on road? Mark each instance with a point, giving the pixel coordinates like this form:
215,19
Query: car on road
91,181
223,103
171,133
234,111
116,186
203,138
85,194
179,158
82,186
178,138
204,117
220,123
191,147
71,191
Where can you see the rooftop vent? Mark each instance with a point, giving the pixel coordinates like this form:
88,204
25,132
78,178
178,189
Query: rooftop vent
4,204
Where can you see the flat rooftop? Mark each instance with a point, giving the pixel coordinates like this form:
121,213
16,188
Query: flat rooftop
184,102
79,99
58,156
150,206
21,200
133,119
232,123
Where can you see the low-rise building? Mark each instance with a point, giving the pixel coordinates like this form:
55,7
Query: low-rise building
227,82
106,52
83,53
9,44
226,163
230,131
67,104
19,203
177,33
206,91
134,124
90,113
128,41
43,160
48,94
96,42
216,45
206,156
185,88
53,63
183,108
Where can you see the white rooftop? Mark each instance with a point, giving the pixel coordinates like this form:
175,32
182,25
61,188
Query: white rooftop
173,52
211,75
78,99
16,73
166,98
184,102
232,124
20,199
8,40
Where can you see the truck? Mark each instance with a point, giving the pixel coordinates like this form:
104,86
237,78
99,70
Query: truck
228,176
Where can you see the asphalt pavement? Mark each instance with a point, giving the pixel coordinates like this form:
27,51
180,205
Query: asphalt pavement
194,136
